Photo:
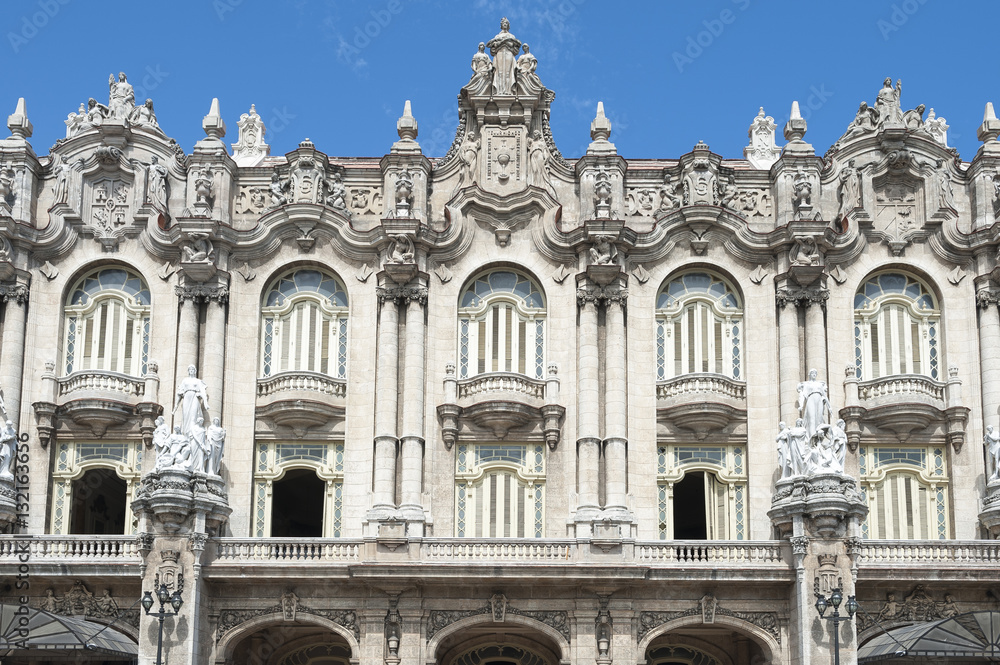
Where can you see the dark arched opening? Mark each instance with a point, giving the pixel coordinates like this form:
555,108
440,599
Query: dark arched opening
297,505
99,502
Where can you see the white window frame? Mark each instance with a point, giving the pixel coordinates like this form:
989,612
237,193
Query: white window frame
75,458
273,459
487,492
885,483
726,496
82,349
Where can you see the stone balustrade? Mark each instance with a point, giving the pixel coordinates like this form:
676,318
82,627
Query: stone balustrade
933,553
70,549
102,382
701,385
283,549
902,388
315,382
497,382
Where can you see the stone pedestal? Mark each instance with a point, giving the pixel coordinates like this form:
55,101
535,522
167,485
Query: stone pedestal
179,509
8,504
990,514
821,515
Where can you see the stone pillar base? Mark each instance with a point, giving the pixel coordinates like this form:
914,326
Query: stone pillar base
990,515
8,503
172,496
824,500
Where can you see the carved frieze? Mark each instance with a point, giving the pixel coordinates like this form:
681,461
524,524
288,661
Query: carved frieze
440,619
767,621
80,601
917,606
230,619
504,156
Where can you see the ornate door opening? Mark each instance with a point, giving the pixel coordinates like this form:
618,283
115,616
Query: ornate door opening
297,505
99,503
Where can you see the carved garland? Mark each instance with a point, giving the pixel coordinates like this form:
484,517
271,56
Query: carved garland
231,619
440,619
766,621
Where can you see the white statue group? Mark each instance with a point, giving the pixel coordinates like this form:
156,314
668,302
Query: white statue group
813,445
8,444
191,446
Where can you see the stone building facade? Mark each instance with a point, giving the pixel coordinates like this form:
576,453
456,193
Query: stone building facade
499,405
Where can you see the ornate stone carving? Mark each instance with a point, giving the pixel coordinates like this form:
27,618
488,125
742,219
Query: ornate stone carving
79,601
896,213
402,294
503,169
230,619
504,48
917,606
641,201
404,194
366,200
538,160
802,189
762,152
280,188
849,190
699,179
250,201
603,252
767,621
250,148
937,128
439,619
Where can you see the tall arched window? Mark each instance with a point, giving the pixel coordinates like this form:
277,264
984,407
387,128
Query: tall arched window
501,320
907,492
699,327
107,323
501,490
896,321
304,325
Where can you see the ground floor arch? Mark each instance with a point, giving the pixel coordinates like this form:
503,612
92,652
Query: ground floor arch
272,640
726,640
480,640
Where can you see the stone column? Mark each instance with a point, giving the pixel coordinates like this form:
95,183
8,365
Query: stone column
214,361
615,404
386,397
12,359
989,342
789,369
588,407
816,332
187,331
412,444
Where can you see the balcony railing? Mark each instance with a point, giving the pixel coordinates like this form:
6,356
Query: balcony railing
301,382
69,549
902,387
506,382
711,552
99,381
292,549
689,385
934,553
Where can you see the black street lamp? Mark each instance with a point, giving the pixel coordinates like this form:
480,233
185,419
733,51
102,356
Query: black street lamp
836,597
164,596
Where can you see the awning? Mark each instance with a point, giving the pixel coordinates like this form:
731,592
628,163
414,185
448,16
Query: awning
972,635
48,634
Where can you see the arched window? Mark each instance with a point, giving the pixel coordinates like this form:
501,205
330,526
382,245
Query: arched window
896,322
92,487
702,492
501,320
699,327
298,489
304,326
907,492
107,323
501,490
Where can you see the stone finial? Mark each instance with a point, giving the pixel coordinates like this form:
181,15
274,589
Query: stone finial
990,129
18,123
762,151
795,128
250,149
937,128
213,124
600,132
406,127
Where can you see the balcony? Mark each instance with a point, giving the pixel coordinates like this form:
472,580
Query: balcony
490,405
904,403
117,556
701,403
301,400
97,401
965,560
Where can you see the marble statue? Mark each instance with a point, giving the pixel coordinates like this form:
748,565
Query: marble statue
991,440
122,98
504,48
470,161
914,118
801,191
203,183
199,250
216,436
278,188
937,128
96,114
401,249
404,194
538,158
528,82
180,448
63,171
602,195
887,102
161,444
728,193
157,183
669,198
143,116
603,252
482,68
850,189
798,448
8,451
6,182
75,120
192,399
813,403
198,445
338,193
830,449
864,121
942,181
804,252
784,450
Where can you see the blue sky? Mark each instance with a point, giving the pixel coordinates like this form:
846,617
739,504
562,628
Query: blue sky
669,73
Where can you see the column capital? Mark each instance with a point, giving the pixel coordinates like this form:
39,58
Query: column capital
200,292
601,295
402,294
17,292
987,297
803,297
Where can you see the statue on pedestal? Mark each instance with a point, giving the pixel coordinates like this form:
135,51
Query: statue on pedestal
192,399
992,443
216,442
8,451
504,48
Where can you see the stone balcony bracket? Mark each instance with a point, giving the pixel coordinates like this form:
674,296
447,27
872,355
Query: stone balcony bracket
701,403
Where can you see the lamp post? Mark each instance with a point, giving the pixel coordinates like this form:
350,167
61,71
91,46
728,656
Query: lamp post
836,597
164,596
